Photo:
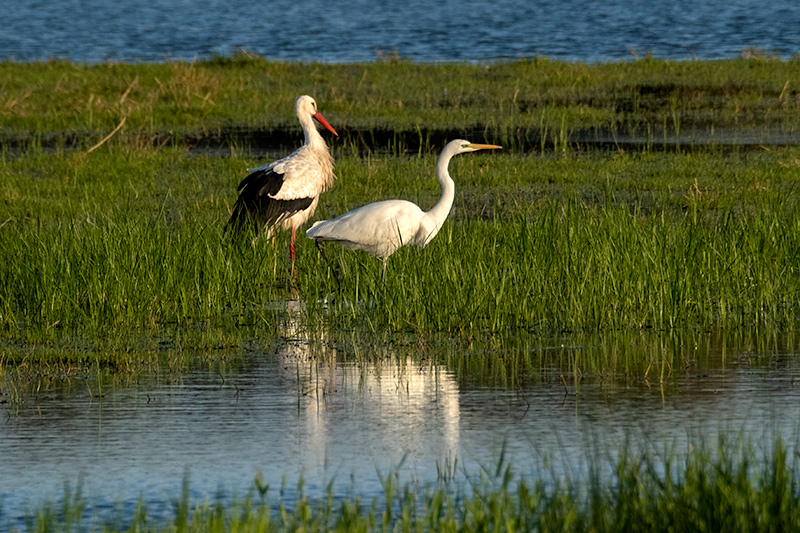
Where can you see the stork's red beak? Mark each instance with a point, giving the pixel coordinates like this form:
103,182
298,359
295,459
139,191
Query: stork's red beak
324,122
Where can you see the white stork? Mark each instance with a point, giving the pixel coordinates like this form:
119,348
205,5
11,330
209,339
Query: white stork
284,194
381,228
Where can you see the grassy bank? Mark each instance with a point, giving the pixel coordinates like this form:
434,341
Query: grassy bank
126,238
707,489
520,103
130,239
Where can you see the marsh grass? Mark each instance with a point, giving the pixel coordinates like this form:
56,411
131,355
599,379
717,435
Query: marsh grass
722,487
104,245
596,242
126,239
525,104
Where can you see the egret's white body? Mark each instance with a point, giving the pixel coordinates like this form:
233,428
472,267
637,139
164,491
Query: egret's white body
284,194
381,228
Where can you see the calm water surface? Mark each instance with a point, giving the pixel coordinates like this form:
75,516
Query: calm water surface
290,411
317,30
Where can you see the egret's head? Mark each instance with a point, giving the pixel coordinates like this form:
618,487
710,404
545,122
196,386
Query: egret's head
463,146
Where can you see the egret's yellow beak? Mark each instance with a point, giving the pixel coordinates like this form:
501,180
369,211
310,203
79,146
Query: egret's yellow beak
483,146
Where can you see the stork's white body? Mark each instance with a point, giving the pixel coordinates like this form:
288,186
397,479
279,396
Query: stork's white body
284,194
381,228
306,173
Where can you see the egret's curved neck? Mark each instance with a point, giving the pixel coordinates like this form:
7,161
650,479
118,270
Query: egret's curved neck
442,208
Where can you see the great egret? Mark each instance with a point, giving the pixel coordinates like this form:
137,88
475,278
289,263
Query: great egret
381,228
284,194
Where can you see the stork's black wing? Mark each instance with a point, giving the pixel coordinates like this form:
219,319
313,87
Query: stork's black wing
257,206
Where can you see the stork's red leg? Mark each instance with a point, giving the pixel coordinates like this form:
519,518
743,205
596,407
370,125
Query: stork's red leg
291,254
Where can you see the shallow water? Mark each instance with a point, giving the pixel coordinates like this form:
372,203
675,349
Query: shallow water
314,30
304,409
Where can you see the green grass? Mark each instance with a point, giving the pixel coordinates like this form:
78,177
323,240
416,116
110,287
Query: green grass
732,487
114,263
126,239
526,103
600,241
574,268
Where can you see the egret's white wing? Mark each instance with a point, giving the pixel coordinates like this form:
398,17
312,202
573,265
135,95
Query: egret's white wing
379,228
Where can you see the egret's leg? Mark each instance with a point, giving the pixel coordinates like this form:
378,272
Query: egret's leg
332,267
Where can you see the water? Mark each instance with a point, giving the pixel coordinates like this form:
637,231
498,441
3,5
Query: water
302,409
315,30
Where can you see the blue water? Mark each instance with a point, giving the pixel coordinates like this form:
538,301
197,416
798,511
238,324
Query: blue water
310,410
359,30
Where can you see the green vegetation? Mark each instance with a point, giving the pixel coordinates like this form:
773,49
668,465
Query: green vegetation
519,103
124,240
110,234
708,489
116,181
605,241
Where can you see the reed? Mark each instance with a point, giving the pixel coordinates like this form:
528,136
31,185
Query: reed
727,486
130,239
592,247
526,103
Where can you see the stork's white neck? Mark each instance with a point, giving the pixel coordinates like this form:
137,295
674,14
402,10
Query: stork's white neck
312,135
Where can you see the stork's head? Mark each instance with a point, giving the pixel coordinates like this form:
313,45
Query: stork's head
305,106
